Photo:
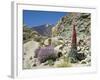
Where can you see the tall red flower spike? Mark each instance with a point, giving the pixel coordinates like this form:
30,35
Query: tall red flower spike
73,52
74,38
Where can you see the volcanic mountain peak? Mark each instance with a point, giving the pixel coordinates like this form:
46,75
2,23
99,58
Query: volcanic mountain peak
43,30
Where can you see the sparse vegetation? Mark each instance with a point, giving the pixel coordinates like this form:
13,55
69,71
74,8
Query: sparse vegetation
46,53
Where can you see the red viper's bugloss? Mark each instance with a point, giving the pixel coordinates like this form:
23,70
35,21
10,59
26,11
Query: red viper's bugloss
74,55
74,38
73,52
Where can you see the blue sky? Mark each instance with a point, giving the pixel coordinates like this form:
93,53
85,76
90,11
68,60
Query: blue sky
33,18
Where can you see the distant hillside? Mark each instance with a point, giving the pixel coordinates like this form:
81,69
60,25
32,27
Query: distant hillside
29,34
43,30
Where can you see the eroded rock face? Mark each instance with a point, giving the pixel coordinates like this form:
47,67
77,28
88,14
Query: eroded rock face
83,24
29,53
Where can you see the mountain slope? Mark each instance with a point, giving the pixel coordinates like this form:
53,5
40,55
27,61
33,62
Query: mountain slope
29,34
43,30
